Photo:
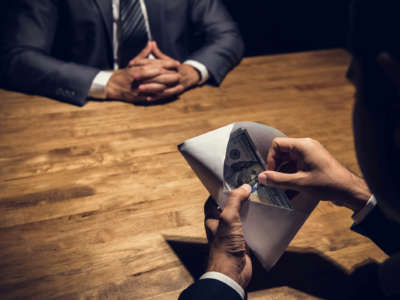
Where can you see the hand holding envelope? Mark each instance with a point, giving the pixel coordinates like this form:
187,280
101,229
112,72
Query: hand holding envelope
268,227
229,254
316,173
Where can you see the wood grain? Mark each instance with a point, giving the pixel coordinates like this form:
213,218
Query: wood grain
97,203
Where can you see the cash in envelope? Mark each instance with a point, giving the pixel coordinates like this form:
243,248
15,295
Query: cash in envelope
242,165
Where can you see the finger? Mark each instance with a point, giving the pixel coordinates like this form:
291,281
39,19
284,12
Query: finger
151,88
159,54
273,154
282,180
282,150
169,79
145,73
142,62
143,54
166,64
234,203
167,93
280,146
211,227
132,97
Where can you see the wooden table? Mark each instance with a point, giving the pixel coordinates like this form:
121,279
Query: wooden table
96,202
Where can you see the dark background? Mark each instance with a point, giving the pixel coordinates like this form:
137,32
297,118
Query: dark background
280,26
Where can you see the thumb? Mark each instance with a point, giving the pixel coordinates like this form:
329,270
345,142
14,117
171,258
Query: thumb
236,198
157,52
160,55
281,180
143,54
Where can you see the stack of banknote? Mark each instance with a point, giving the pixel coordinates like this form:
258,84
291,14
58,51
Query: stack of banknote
242,165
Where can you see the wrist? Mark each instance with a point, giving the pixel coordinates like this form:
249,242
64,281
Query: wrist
99,84
190,76
229,266
358,194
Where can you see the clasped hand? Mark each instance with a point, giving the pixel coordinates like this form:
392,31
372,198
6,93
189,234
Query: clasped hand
147,79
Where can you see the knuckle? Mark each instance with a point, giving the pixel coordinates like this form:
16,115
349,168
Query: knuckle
238,194
275,141
235,194
176,77
308,141
228,218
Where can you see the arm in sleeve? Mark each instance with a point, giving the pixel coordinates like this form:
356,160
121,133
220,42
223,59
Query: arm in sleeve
210,289
223,46
381,230
26,60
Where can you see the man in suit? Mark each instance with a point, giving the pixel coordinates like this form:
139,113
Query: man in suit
375,72
157,49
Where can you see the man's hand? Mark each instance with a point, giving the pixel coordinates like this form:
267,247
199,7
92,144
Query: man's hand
121,85
315,172
189,76
228,250
145,79
164,85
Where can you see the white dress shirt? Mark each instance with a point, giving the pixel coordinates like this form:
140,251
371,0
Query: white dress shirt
360,216
371,203
97,89
225,279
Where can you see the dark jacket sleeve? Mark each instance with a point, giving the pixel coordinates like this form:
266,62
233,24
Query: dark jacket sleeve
380,229
25,53
223,45
209,289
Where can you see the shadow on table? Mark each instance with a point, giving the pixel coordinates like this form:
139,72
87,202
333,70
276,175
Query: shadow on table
142,103
305,270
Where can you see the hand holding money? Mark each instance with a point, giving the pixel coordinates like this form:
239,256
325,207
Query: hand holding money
316,173
228,250
242,165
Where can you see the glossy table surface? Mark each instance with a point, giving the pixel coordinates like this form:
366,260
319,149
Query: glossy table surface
97,203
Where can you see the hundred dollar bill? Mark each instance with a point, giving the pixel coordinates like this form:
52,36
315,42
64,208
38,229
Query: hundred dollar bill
243,164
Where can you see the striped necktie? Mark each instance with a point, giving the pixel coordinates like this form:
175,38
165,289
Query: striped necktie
132,31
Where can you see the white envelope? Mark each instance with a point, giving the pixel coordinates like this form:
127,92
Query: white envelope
268,229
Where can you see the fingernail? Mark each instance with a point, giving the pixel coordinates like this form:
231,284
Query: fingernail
262,178
246,187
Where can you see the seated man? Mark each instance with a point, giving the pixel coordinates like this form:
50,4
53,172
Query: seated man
62,49
375,71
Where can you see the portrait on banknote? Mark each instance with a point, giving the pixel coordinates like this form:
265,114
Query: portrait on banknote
243,164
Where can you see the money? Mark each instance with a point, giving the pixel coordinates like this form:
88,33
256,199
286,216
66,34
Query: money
243,164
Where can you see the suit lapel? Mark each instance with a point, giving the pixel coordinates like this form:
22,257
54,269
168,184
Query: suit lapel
105,7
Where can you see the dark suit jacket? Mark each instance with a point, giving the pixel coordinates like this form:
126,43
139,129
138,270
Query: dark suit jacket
209,289
55,48
384,233
364,281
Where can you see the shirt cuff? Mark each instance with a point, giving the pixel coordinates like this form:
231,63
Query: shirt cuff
361,215
225,279
204,75
98,87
